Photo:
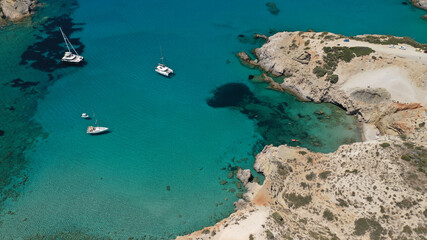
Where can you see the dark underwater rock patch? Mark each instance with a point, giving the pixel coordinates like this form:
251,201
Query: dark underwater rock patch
272,8
274,123
21,84
45,55
1,133
231,95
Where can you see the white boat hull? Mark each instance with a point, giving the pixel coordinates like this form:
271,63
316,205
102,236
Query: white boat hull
96,130
72,58
164,70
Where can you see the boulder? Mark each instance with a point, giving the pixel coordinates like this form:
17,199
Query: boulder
424,17
371,95
420,4
16,9
261,36
240,204
244,176
245,58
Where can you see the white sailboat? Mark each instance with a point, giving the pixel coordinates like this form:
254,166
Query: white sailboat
96,130
70,57
161,68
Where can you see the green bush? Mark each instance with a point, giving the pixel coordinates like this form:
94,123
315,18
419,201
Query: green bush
328,215
409,145
362,51
363,225
324,174
278,218
407,229
297,200
302,152
306,43
332,78
319,71
269,235
384,145
342,202
405,157
310,176
387,40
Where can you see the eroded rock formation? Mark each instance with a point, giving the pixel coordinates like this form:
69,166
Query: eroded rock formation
15,10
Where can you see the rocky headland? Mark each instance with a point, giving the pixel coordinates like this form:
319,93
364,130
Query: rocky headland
375,189
15,10
420,4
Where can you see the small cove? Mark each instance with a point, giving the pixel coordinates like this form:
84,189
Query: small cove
158,173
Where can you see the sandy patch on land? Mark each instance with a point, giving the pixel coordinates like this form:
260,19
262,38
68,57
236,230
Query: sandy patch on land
394,79
251,225
369,132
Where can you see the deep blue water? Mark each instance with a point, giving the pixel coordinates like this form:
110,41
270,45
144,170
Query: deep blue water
163,132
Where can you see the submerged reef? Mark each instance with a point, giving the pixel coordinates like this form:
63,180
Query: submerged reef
276,121
23,86
272,8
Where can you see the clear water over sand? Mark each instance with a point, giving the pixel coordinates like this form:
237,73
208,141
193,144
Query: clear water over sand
163,134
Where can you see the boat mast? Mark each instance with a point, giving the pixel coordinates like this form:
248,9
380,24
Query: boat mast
65,39
161,55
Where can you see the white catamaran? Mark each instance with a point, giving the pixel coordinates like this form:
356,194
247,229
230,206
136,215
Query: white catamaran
162,68
70,57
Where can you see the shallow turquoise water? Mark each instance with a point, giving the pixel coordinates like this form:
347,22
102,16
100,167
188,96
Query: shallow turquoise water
163,132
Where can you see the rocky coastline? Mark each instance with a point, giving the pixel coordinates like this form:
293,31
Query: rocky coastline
420,4
15,10
375,189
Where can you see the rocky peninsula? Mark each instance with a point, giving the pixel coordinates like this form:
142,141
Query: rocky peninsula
375,189
15,10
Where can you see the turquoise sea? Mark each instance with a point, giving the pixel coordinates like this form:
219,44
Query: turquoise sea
157,174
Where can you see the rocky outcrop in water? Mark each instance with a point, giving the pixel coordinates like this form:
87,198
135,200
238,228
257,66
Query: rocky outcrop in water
322,67
420,4
15,10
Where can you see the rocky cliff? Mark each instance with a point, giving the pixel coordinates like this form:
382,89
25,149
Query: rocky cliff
361,191
381,79
370,190
15,10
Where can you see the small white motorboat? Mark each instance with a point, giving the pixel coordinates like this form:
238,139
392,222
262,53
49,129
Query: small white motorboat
402,47
84,115
164,70
96,130
391,46
161,68
70,57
